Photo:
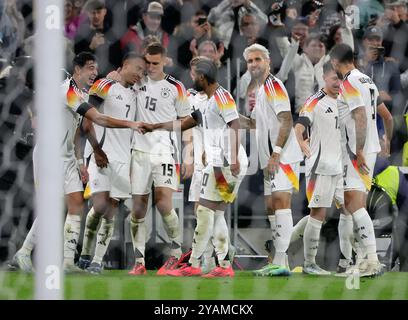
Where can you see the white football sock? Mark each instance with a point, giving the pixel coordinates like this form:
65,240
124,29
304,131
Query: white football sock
221,238
202,234
357,245
346,237
103,239
30,239
272,220
72,227
208,255
299,229
284,227
138,233
365,228
311,239
91,226
172,226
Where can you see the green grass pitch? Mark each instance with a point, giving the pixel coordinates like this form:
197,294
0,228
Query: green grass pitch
116,284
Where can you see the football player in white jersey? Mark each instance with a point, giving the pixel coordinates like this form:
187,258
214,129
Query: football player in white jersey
111,184
198,101
75,97
226,166
358,104
279,153
324,178
162,98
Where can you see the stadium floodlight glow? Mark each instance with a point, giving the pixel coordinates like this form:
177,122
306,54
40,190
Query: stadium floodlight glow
48,57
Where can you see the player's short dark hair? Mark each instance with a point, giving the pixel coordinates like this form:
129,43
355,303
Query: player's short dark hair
343,53
82,58
327,67
131,55
208,69
155,48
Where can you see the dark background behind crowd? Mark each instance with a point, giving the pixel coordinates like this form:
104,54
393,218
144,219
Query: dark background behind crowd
299,35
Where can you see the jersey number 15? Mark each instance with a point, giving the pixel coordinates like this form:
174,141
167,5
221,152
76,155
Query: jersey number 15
151,103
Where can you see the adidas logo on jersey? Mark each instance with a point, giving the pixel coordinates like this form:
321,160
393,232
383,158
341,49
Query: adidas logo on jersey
119,97
329,110
168,181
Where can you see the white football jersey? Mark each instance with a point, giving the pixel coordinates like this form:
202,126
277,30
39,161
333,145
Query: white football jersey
323,117
356,90
219,110
160,101
117,101
272,98
197,101
73,97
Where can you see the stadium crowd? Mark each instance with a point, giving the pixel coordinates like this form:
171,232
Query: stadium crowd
299,36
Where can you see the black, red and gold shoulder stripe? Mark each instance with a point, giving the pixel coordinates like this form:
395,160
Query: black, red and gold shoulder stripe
74,95
274,90
224,99
181,91
101,88
348,90
312,101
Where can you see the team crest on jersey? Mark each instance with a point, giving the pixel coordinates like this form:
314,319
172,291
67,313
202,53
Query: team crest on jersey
165,92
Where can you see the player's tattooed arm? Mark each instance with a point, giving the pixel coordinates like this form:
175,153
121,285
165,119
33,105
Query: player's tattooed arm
286,123
359,115
247,123
235,143
360,119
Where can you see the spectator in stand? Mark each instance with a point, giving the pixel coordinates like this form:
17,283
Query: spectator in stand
11,29
307,67
95,35
250,32
395,36
311,12
188,37
73,18
384,73
332,13
149,25
402,10
208,49
226,16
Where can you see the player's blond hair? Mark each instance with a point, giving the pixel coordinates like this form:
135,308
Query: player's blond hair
256,47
